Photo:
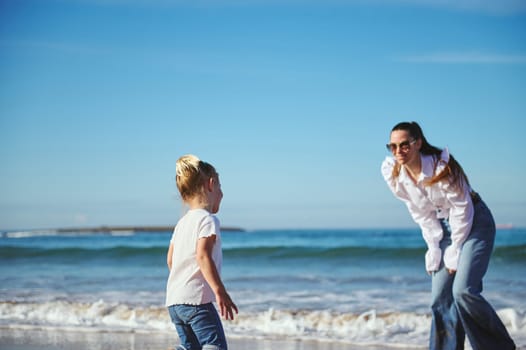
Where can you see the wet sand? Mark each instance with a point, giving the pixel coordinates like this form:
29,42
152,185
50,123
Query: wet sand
30,339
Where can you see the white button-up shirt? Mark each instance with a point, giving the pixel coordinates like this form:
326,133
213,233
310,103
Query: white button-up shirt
428,204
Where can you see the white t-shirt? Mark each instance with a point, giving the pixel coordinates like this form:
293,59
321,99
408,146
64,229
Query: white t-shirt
186,284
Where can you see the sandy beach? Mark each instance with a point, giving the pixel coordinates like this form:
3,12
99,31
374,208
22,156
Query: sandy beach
30,339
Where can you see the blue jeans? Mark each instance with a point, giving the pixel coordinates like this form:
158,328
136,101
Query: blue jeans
199,327
458,308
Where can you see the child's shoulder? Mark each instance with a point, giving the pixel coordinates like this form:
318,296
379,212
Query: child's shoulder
200,216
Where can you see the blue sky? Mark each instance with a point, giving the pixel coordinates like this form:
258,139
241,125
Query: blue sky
292,101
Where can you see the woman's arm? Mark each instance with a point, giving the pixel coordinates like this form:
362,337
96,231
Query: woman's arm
426,219
432,233
208,269
460,220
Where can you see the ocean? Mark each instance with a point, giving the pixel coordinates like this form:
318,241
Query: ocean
359,286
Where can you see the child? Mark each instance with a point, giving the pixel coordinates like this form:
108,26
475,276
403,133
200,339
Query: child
194,259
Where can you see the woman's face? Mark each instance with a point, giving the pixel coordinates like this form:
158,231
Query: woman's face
405,149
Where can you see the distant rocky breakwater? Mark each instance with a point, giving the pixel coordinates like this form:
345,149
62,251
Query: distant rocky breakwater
103,229
113,230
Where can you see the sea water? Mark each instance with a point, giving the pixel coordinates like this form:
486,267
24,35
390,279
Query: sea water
361,286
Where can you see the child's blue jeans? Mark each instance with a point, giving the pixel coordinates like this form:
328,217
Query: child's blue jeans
199,327
458,308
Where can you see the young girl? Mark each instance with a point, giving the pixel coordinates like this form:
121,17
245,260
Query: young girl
194,259
459,231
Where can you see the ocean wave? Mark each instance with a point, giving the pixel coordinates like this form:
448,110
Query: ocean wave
370,327
7,252
515,253
300,252
506,253
97,315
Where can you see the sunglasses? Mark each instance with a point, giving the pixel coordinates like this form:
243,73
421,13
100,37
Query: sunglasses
404,145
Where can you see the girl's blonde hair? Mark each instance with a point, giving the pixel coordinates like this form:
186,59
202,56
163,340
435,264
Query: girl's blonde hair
191,173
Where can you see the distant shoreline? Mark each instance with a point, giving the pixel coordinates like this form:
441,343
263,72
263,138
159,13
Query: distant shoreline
110,229
129,229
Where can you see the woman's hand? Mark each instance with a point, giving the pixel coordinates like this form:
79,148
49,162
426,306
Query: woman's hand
450,271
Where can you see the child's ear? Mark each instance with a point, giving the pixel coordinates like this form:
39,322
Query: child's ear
210,184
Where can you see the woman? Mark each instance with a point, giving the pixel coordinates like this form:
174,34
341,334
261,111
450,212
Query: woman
459,231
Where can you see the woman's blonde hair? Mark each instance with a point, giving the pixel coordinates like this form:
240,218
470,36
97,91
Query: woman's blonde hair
191,173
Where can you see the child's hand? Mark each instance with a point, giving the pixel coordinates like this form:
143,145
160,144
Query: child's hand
226,305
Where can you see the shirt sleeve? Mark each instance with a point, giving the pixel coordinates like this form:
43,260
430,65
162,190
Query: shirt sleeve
460,214
432,231
209,226
387,170
387,173
460,220
173,235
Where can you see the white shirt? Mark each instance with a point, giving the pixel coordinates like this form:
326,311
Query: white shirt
186,284
428,204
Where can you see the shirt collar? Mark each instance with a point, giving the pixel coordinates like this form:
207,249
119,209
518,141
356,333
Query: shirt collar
428,169
428,166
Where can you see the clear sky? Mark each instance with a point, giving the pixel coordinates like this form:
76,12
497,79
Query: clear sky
292,101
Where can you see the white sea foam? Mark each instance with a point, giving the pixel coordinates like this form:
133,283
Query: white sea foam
65,233
98,315
122,232
26,234
404,329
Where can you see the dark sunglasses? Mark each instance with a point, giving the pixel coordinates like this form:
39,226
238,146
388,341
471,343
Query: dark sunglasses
404,145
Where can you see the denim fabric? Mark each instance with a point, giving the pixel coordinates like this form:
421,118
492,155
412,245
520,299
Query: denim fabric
458,308
199,327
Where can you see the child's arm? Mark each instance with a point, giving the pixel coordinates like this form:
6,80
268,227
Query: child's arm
208,268
169,256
